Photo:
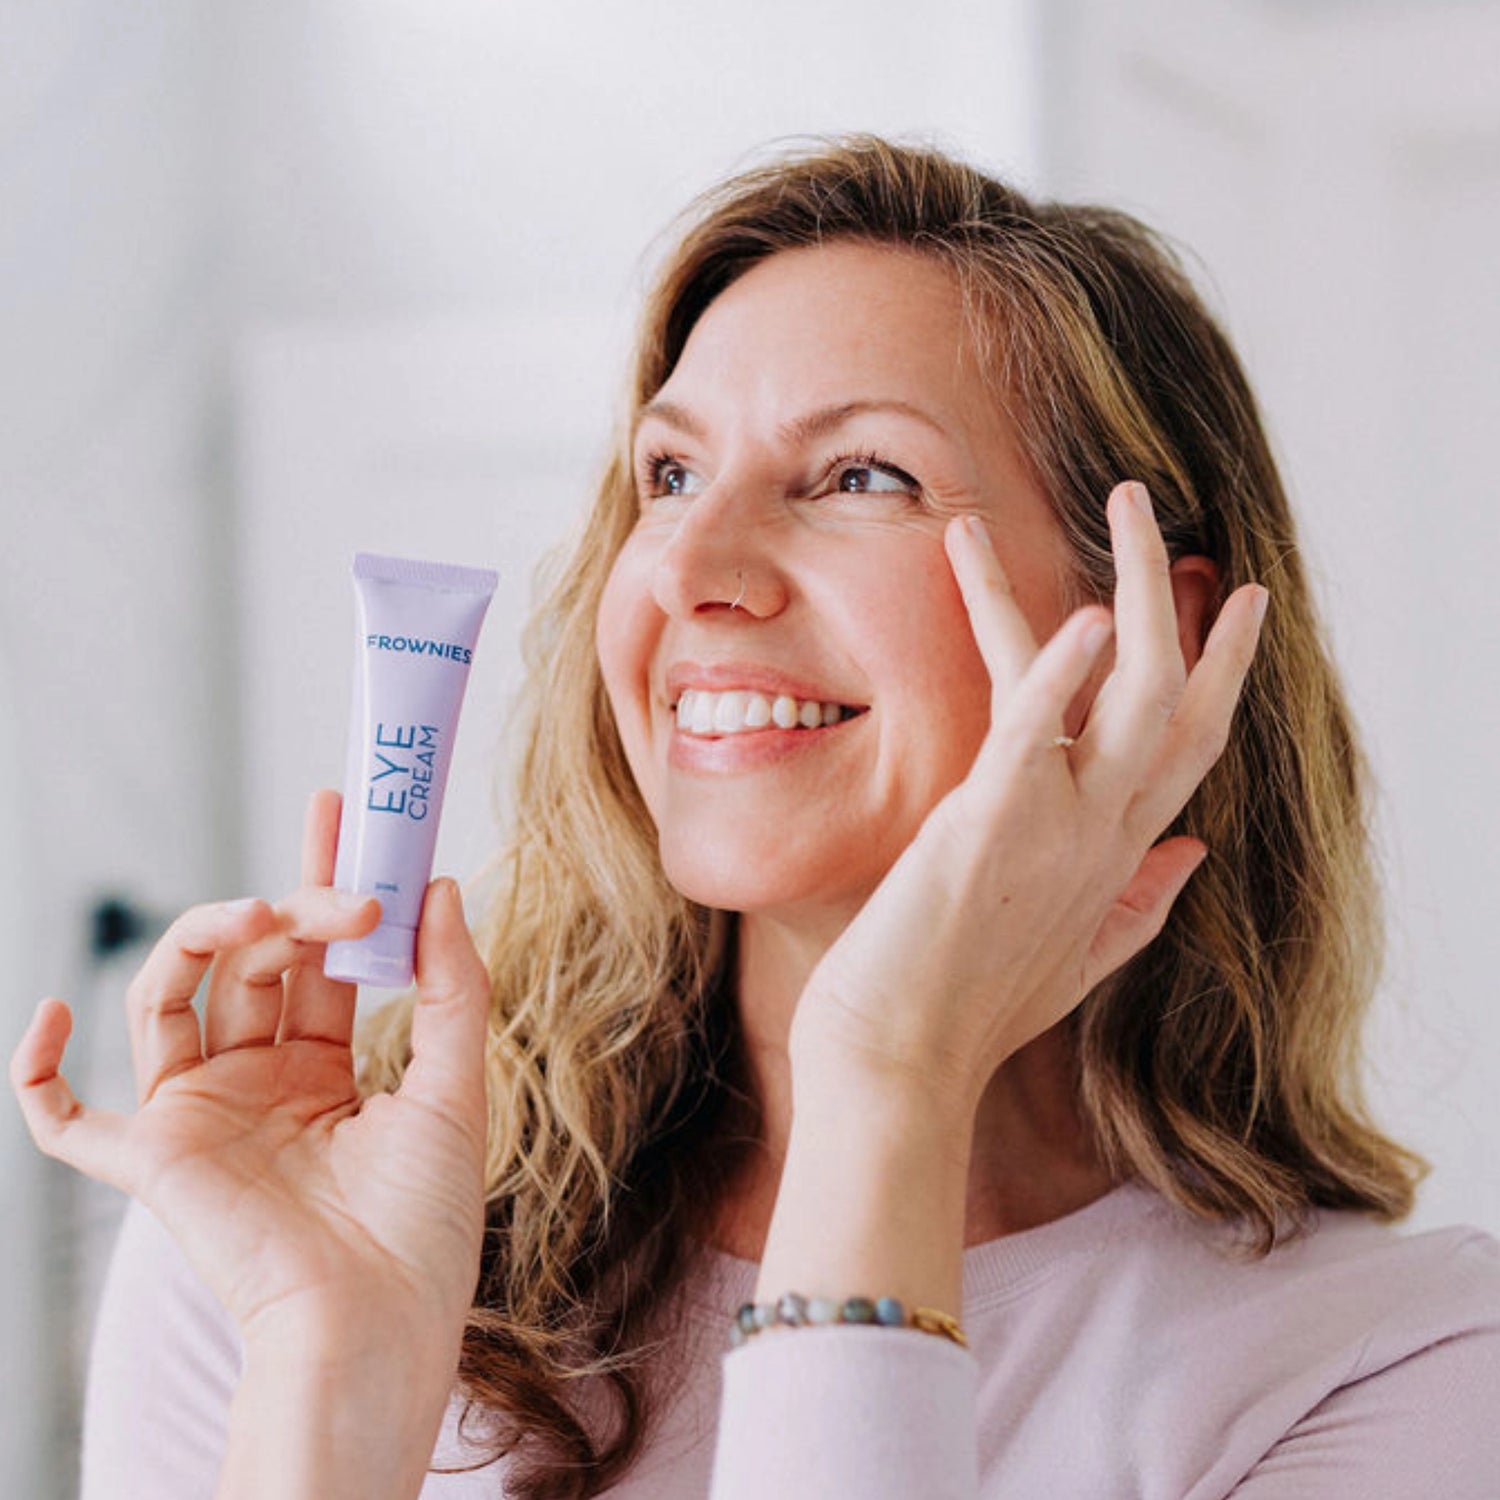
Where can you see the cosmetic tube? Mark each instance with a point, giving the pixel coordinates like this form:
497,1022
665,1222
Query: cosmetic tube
418,624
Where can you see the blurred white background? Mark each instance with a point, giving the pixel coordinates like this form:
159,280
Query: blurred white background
284,281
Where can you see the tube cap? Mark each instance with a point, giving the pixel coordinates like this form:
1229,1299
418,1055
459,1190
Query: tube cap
385,958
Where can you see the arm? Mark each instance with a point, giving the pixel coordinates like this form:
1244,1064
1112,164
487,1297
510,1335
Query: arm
354,1416
1033,880
872,1200
825,1413
340,1236
872,1196
170,1394
163,1367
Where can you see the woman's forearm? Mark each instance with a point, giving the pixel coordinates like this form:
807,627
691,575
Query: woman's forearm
872,1196
359,1424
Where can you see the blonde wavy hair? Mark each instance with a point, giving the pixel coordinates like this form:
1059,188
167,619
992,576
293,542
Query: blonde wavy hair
1221,1066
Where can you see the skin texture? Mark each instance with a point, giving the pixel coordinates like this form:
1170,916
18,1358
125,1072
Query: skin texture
927,889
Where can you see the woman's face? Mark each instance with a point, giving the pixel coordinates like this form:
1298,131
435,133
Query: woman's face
795,475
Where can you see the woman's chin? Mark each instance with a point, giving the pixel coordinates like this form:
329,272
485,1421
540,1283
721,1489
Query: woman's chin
740,880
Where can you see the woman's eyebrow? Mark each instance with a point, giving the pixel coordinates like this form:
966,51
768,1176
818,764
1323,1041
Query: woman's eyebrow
798,430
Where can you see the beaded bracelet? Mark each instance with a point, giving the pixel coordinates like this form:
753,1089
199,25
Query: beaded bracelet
796,1311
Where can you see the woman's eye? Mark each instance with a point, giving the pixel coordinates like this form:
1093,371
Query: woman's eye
666,476
874,479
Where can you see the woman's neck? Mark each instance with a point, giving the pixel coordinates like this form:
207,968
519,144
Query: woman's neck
1031,1159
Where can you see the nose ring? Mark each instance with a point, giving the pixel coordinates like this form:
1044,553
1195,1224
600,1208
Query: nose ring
735,604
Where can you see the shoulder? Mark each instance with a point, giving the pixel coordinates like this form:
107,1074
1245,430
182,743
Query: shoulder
1405,1330
1375,1291
1188,1362
1134,1251
1347,1294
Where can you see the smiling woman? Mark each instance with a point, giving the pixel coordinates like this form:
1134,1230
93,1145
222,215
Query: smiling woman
937,878
758,504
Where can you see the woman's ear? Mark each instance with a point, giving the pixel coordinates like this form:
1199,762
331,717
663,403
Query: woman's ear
1195,591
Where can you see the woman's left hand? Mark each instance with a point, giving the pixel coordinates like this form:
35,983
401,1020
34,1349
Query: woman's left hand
1039,874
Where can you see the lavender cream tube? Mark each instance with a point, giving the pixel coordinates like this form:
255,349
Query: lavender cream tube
418,623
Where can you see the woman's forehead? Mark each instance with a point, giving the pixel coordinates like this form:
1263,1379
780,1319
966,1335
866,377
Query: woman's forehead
815,330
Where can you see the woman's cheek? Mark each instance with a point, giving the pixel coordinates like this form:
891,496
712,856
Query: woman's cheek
624,639
626,592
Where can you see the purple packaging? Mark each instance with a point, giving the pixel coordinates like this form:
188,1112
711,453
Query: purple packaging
418,624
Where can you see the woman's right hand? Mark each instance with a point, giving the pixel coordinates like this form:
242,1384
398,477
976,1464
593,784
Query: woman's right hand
304,1210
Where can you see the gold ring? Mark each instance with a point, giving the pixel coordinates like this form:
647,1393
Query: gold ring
1062,741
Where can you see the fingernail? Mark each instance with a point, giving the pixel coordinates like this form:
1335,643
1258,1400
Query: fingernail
243,903
349,900
980,532
1262,599
1142,498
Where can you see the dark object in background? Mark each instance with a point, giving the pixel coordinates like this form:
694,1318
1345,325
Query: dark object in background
115,922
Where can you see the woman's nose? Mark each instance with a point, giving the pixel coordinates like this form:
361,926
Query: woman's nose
717,560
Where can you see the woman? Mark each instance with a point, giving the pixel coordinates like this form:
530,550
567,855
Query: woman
844,930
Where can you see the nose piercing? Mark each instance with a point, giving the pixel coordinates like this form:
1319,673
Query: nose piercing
740,572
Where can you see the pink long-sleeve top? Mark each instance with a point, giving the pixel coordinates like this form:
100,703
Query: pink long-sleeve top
1119,1353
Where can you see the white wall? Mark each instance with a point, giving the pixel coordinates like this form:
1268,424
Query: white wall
23,1174
400,158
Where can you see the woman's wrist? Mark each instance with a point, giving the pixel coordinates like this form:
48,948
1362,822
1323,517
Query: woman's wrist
872,1196
353,1412
892,1077
356,1322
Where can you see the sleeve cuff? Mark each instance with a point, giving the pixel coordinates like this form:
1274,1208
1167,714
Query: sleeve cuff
885,1414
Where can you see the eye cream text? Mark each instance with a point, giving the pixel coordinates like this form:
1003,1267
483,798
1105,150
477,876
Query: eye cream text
416,749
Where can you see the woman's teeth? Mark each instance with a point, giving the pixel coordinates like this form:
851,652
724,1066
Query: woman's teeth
701,712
